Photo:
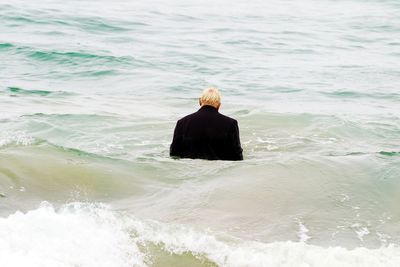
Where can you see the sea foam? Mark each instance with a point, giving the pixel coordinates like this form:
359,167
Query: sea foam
75,235
80,234
18,138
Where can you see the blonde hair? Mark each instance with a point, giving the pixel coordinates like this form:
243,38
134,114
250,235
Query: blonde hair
211,97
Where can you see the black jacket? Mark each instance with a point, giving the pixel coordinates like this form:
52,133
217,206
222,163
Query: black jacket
206,134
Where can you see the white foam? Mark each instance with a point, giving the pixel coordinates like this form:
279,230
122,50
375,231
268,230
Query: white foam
360,230
76,235
18,138
302,233
89,235
179,239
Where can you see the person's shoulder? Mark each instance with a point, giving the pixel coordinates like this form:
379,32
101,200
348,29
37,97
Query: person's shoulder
187,117
227,118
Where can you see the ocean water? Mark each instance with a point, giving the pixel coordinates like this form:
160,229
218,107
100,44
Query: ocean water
90,92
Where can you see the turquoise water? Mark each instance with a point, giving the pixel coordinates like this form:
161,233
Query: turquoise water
90,92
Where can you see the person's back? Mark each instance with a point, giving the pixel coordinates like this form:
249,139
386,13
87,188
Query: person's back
207,134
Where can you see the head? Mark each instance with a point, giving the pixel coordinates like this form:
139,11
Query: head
210,97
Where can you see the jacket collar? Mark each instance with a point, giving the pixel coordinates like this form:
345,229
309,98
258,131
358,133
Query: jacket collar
208,108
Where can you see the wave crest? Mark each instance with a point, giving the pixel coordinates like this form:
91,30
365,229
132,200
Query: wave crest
17,138
97,236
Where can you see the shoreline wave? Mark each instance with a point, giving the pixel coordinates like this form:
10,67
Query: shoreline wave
98,236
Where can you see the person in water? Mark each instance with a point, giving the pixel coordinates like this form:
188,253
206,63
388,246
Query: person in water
207,134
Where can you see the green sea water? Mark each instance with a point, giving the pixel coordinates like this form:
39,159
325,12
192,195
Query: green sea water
90,92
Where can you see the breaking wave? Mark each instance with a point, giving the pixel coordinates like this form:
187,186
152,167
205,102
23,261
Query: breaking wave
84,234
